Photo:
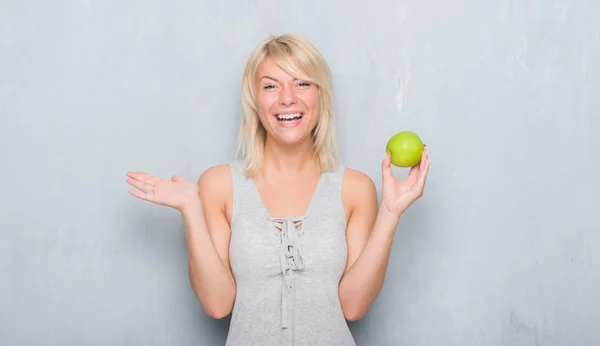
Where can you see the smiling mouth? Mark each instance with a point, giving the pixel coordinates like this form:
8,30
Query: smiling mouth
289,117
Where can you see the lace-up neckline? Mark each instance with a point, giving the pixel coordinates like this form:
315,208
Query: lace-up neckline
290,251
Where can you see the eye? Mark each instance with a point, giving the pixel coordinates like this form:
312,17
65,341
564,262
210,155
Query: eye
268,86
304,84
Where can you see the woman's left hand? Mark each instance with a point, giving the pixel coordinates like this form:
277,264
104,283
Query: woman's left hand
398,195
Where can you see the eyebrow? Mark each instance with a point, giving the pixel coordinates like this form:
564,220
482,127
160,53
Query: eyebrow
271,78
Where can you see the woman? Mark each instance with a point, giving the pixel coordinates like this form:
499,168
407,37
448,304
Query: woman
290,242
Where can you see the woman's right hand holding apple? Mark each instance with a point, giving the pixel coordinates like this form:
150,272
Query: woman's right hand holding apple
177,193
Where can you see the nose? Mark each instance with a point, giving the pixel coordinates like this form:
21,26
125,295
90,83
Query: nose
287,95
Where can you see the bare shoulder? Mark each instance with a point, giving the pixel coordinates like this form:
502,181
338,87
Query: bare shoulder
215,187
215,178
358,184
358,189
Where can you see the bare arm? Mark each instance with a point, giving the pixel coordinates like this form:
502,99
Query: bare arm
371,229
204,206
368,246
208,234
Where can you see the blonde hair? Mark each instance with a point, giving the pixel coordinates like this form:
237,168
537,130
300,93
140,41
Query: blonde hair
301,59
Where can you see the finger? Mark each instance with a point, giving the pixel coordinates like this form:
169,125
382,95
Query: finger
386,168
424,153
144,177
141,195
140,185
413,173
177,178
419,166
423,175
137,175
424,160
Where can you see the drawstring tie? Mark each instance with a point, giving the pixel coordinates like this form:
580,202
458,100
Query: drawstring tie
291,261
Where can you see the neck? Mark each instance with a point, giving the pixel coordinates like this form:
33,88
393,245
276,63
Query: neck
289,161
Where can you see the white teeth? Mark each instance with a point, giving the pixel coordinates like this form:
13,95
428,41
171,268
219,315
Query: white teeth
288,116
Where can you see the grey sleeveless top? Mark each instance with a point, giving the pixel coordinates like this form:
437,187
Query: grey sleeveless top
287,279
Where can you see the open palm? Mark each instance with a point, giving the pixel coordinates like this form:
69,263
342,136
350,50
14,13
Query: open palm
177,193
399,194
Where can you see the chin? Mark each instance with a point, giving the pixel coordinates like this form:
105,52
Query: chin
291,139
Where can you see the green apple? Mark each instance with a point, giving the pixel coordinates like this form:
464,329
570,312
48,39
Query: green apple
405,149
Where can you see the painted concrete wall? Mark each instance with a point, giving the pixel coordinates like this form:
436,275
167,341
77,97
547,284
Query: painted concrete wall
502,249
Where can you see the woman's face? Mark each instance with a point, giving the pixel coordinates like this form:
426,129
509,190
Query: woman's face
288,107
